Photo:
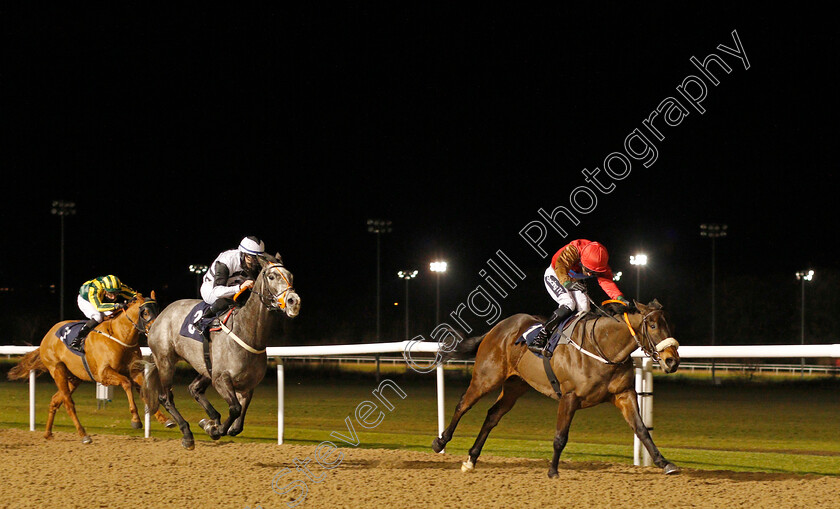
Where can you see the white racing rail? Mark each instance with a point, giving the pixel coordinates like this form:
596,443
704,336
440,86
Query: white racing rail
644,371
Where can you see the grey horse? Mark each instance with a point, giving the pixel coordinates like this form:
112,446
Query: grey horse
238,358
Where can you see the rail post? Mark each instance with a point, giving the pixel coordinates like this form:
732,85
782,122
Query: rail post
31,400
280,401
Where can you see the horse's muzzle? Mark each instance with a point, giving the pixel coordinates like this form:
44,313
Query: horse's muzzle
292,304
670,364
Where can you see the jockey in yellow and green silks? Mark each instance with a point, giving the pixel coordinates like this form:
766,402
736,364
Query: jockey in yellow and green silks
98,299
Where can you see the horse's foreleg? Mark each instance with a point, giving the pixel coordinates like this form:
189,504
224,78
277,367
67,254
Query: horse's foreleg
139,379
513,388
198,387
569,404
110,376
239,423
629,407
224,386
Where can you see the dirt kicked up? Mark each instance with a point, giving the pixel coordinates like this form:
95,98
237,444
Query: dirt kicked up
126,472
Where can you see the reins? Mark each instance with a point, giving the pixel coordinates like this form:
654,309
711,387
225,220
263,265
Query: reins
272,298
647,347
148,304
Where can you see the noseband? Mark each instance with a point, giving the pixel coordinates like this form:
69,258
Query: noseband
648,347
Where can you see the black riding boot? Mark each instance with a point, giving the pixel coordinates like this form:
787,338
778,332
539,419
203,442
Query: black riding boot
540,344
78,341
202,325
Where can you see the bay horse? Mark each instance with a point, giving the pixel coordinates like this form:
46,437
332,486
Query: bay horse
593,368
111,350
238,359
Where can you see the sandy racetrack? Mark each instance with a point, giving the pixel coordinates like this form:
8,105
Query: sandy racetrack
118,472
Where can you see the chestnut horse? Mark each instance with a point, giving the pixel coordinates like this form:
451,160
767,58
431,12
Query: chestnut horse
595,367
110,350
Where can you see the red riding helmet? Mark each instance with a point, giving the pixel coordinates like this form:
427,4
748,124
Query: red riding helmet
594,257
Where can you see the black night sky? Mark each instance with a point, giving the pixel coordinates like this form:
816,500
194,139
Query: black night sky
178,133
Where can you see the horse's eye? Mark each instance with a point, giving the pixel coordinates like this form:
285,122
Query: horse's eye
653,326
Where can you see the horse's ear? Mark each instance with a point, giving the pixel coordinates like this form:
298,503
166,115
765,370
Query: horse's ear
279,258
641,307
655,304
153,295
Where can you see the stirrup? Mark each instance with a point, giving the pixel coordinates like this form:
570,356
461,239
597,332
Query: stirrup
538,348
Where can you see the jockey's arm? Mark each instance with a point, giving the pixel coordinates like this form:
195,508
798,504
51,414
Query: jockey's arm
221,290
127,292
605,280
95,293
564,261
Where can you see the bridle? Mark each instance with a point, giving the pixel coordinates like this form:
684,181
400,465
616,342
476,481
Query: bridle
142,325
647,345
274,300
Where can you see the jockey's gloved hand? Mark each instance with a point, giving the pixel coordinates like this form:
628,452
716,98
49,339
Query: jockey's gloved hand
623,300
574,286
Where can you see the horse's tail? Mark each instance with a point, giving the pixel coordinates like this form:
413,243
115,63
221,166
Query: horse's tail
152,388
30,361
465,349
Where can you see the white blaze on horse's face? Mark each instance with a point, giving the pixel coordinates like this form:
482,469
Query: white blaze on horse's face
280,286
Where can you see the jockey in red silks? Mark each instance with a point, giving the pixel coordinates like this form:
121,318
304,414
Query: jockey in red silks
577,260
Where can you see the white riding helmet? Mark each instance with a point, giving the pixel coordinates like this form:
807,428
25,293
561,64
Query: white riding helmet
252,246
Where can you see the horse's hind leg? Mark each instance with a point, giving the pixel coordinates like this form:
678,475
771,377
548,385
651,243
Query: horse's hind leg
513,388
482,382
66,383
165,371
569,404
55,404
629,407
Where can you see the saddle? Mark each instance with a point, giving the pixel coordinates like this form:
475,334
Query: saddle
562,335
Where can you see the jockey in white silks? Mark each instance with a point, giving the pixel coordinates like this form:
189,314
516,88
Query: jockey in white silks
231,272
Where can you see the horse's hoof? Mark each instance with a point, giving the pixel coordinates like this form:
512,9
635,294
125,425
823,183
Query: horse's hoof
48,436
86,439
188,444
438,445
467,466
136,424
169,424
553,474
670,468
234,432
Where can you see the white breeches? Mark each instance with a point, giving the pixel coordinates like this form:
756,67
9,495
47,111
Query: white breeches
89,311
572,299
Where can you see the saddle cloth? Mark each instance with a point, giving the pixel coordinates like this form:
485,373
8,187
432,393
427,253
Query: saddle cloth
68,333
188,329
560,335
